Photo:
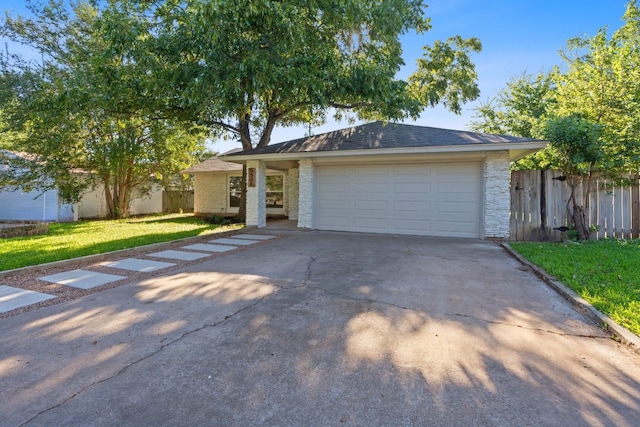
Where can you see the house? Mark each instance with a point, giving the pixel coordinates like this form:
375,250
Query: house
31,204
217,186
48,206
393,178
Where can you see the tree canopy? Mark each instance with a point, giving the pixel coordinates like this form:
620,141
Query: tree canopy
242,67
126,86
79,112
599,82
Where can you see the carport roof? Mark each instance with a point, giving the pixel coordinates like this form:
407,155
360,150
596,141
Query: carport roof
378,135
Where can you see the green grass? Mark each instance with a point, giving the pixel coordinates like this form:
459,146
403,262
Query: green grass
606,273
75,239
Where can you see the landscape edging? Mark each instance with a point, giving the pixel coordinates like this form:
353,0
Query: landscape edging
105,255
619,333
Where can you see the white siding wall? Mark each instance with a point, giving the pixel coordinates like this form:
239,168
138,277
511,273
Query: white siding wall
93,204
497,203
27,206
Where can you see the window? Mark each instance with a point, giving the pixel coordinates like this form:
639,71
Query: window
275,191
274,196
235,190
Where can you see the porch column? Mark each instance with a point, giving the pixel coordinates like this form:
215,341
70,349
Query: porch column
305,193
256,194
497,190
292,194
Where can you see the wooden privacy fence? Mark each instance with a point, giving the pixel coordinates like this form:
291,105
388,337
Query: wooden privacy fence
177,201
539,204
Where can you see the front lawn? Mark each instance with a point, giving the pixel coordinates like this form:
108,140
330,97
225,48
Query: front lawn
606,273
75,239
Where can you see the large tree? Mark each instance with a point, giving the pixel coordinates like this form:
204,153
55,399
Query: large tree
599,82
80,111
589,109
243,67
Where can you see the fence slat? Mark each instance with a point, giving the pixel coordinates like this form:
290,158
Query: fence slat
615,209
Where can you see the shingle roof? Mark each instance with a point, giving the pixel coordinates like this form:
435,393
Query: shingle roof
377,135
213,165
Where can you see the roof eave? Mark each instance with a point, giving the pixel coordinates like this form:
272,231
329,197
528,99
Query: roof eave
516,151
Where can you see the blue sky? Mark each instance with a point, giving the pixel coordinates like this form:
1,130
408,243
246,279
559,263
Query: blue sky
517,36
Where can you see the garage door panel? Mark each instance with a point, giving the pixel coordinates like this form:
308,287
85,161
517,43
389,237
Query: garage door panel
411,206
423,199
411,188
334,223
380,188
335,204
456,187
453,207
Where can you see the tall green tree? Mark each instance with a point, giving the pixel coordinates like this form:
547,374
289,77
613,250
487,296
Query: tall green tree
599,82
602,84
577,149
80,113
243,67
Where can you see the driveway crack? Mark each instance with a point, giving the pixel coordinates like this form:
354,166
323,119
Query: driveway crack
494,322
369,300
142,359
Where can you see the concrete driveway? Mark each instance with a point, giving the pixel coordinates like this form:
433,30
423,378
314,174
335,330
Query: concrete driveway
323,329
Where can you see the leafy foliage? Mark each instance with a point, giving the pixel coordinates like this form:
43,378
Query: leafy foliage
600,83
577,149
244,66
81,115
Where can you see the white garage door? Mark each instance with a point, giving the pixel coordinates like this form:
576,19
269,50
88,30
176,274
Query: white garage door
432,199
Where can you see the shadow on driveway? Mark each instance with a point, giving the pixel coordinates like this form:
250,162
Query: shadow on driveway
321,329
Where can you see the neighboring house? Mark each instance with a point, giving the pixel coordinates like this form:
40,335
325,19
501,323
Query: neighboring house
395,178
48,206
217,186
93,203
34,206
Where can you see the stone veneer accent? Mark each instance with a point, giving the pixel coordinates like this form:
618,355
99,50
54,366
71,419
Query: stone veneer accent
211,195
497,197
256,196
292,194
305,193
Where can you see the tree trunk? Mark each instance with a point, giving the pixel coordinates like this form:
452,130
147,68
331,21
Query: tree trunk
242,210
577,212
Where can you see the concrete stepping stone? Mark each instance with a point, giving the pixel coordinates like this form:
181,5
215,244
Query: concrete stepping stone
82,279
12,298
209,248
181,255
140,265
241,242
252,236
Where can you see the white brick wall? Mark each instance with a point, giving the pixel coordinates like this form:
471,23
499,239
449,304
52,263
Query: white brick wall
256,196
210,195
292,194
305,193
497,203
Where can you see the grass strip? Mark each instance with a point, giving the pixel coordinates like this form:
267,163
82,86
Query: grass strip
606,273
75,239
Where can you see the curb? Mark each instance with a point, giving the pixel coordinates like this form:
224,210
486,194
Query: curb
618,333
105,255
